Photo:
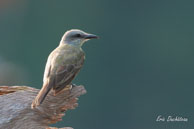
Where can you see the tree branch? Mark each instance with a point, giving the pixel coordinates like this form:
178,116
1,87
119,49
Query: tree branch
16,112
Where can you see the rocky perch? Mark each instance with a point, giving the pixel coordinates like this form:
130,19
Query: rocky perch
16,112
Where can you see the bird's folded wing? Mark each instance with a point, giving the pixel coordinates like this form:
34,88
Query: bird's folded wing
64,75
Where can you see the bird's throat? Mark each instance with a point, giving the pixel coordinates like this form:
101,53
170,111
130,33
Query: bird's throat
76,43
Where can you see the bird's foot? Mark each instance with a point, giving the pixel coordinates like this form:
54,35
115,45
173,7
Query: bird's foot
73,85
66,89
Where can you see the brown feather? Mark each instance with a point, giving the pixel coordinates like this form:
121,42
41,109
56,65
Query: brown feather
41,95
66,74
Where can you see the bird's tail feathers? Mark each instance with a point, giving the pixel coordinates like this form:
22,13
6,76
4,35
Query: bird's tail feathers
41,96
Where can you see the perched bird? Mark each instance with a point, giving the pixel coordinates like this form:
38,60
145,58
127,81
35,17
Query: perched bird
63,63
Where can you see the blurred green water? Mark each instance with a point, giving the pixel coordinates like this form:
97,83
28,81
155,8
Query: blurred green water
141,67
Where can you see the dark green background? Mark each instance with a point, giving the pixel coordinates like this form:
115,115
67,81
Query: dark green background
141,67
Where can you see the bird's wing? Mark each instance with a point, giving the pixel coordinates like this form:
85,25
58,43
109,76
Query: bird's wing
49,65
65,74
48,81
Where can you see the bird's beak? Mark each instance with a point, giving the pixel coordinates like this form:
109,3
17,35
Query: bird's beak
90,36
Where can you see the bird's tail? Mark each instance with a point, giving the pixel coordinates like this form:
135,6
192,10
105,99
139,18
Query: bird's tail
41,95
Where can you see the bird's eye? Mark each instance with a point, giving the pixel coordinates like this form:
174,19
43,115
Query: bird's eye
78,35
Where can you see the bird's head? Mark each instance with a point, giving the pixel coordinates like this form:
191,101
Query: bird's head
76,37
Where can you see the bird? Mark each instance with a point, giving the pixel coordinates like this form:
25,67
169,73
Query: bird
63,64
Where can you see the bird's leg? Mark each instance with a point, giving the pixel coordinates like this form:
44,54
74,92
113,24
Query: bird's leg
67,88
73,85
